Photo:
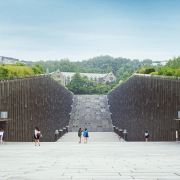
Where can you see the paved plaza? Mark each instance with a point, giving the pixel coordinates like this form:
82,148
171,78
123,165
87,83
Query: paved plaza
92,161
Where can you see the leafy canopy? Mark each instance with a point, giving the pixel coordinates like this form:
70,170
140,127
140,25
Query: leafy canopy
19,70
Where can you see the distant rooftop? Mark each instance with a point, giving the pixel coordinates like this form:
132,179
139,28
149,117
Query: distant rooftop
97,75
8,60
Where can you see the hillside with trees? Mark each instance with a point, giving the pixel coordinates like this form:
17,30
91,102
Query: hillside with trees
121,67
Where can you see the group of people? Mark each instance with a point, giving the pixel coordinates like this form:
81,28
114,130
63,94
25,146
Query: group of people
83,133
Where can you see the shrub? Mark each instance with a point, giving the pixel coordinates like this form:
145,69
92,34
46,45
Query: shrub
177,72
154,73
167,71
146,70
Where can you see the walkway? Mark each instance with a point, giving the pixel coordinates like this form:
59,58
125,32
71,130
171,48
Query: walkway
92,161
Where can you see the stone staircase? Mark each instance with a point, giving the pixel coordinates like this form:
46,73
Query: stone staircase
93,137
91,112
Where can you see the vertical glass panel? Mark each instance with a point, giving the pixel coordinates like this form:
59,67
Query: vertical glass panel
4,114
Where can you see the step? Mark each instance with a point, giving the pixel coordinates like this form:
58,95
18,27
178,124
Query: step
92,112
93,137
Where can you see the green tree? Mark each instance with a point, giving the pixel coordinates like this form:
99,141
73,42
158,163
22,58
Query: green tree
18,70
78,84
174,63
37,69
81,85
3,72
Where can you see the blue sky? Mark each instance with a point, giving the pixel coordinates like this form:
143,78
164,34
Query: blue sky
80,29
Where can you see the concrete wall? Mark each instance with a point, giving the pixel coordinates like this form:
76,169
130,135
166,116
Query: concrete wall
37,101
147,103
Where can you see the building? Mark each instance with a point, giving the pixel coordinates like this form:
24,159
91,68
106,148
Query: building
8,60
159,63
146,102
66,77
33,101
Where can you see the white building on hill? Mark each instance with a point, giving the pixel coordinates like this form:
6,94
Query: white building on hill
66,77
8,60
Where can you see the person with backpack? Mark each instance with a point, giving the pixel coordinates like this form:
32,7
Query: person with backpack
85,135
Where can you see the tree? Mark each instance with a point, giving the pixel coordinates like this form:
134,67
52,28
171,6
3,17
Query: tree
81,85
78,84
37,69
3,72
174,63
18,70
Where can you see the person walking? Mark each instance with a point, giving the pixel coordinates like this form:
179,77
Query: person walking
146,135
85,135
79,134
37,135
1,135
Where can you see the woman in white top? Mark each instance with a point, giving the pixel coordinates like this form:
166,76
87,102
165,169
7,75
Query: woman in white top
37,134
146,134
1,135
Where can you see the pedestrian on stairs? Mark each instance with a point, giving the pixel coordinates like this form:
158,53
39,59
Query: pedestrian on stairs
85,135
79,134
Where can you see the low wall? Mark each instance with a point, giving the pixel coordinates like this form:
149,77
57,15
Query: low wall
36,101
147,103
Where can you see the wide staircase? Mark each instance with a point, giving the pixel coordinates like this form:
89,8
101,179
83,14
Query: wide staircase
93,137
91,112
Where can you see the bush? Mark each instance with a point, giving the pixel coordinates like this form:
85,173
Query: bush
154,73
167,71
177,72
18,70
3,72
146,70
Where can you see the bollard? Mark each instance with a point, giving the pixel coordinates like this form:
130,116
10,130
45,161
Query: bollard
64,130
177,135
60,132
121,133
67,129
115,129
56,134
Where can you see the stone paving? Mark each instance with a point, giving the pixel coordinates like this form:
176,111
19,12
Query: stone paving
91,161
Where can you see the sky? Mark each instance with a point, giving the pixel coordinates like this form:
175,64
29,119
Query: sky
81,29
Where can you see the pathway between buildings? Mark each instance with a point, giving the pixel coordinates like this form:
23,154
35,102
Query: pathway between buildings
91,112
